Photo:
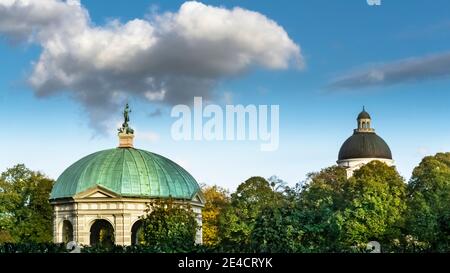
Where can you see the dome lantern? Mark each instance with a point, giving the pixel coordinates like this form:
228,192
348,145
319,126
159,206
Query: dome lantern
364,122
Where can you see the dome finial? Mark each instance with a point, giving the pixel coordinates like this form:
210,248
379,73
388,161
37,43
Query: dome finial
126,133
364,108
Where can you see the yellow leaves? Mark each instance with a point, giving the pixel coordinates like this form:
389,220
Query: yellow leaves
216,200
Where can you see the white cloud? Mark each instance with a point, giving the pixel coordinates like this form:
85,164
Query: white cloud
147,136
155,96
170,57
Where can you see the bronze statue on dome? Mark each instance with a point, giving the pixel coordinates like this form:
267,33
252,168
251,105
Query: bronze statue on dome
125,127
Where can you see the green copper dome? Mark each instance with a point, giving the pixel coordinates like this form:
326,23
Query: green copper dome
128,172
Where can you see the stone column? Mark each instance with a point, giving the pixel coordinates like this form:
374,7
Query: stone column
126,229
55,226
199,235
118,229
83,230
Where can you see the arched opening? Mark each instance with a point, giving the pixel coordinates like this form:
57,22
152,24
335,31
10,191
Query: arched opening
137,234
67,231
102,234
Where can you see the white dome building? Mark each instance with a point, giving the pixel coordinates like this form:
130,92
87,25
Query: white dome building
363,146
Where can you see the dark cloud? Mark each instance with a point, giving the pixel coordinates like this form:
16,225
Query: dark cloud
417,69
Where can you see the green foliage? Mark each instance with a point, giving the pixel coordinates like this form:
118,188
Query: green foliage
375,207
428,221
32,248
169,226
239,218
25,211
277,230
339,214
321,197
147,249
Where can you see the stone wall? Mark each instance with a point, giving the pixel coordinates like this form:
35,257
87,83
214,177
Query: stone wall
353,164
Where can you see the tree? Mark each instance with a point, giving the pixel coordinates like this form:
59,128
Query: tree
277,184
217,199
428,220
277,230
238,219
375,204
339,214
319,200
277,225
170,226
25,211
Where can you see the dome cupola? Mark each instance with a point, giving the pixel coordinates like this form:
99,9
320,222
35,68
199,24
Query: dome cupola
364,122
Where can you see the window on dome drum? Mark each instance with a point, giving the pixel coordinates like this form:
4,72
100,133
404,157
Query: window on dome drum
67,231
137,234
102,234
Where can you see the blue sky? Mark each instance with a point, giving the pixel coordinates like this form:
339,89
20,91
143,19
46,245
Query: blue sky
407,41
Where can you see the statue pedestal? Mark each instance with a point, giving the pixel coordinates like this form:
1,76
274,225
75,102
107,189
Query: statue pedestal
126,140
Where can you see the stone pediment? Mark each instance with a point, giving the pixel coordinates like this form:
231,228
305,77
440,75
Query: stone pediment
198,197
96,193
